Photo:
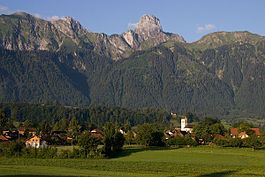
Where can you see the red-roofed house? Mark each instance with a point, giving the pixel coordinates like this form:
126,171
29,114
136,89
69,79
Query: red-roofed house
235,133
218,136
97,133
3,138
256,131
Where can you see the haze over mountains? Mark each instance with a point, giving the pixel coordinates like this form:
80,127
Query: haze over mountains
59,61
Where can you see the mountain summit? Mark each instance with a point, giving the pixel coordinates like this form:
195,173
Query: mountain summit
148,26
148,33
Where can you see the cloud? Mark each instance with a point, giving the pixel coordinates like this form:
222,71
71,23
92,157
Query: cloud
54,18
132,26
4,10
205,28
37,15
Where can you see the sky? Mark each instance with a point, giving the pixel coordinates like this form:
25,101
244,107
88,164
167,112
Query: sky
192,19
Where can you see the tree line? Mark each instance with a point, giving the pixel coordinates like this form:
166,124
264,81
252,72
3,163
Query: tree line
87,116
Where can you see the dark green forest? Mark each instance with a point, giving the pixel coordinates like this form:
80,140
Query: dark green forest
92,116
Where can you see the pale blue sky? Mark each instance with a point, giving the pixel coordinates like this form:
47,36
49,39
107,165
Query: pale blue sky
190,18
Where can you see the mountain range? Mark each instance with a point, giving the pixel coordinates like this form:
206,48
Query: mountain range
59,61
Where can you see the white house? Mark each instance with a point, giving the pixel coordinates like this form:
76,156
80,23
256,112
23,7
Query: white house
36,142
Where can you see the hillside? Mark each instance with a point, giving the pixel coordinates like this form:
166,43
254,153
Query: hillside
59,61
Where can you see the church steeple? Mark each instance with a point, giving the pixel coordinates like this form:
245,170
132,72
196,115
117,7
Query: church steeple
183,123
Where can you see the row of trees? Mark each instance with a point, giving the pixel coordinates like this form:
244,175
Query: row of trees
94,115
250,142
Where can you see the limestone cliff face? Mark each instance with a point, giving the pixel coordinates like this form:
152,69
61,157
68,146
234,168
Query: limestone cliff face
68,26
149,28
147,33
22,31
132,39
73,30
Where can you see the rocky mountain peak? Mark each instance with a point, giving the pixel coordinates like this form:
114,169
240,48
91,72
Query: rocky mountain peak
148,33
149,22
68,19
148,26
67,22
69,26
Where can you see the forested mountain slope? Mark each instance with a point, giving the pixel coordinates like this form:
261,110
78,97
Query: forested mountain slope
61,62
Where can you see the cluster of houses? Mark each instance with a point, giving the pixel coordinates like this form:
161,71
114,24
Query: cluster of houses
186,127
37,141
11,135
61,138
235,133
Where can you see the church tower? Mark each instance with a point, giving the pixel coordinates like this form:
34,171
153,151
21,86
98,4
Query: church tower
183,123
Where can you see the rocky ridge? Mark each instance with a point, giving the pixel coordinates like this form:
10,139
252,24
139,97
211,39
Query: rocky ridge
22,31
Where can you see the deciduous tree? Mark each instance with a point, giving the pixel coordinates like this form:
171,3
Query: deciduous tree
88,144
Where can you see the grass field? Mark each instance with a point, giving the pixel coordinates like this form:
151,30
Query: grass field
196,162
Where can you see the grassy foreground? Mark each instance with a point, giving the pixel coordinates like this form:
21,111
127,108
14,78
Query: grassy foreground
196,162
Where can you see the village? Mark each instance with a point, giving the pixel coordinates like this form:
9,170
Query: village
33,138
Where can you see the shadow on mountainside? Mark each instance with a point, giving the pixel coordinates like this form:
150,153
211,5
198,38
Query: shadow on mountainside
218,174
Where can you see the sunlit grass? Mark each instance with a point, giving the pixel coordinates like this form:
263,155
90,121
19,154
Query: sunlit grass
198,161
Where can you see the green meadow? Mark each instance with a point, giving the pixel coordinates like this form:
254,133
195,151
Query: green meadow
133,162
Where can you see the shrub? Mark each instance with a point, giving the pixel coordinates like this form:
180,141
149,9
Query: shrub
181,141
43,153
252,142
88,144
12,149
75,154
149,135
190,141
235,142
